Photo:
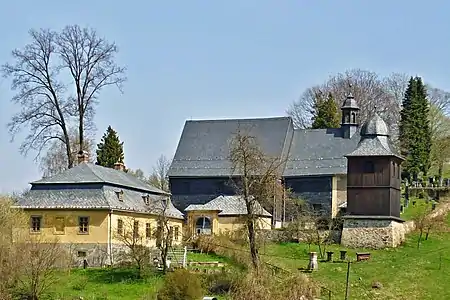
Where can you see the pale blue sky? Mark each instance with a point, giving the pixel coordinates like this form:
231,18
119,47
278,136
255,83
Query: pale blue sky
211,59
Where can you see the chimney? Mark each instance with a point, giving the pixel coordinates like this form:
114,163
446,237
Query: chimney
119,166
83,157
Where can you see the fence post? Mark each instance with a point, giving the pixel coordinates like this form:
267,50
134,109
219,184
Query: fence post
185,257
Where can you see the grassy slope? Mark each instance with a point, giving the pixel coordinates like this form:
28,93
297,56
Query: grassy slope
405,272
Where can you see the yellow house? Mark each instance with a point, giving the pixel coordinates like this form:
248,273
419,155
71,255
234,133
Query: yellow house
92,210
223,214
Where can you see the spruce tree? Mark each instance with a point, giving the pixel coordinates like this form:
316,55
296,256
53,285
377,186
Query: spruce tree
415,132
110,149
326,113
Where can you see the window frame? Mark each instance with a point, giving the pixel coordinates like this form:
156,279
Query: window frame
32,223
176,233
136,229
80,231
119,226
148,230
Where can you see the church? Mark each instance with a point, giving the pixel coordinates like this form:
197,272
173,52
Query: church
315,169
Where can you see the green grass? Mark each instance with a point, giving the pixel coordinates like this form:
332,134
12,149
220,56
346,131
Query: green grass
405,272
111,284
411,210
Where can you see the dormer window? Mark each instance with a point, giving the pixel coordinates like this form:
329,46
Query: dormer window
146,199
119,195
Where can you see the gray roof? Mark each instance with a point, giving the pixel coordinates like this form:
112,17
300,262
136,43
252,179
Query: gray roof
203,149
90,173
375,126
374,139
319,152
89,197
350,102
229,206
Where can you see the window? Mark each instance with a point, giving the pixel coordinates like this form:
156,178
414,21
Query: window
146,199
353,118
36,222
81,253
177,233
83,224
136,229
171,233
119,195
369,167
148,231
119,226
60,225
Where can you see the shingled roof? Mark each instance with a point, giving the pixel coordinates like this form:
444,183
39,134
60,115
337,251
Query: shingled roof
203,149
90,173
89,186
229,206
374,139
319,152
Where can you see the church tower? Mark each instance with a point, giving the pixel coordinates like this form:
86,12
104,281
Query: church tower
350,116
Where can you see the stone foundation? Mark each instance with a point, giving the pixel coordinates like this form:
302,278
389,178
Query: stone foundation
373,232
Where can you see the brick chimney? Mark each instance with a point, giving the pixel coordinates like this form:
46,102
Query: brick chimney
83,157
119,166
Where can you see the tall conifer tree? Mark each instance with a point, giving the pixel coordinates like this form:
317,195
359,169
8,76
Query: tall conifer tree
326,113
415,132
110,149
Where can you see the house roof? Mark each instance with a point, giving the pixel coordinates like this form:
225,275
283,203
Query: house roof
203,149
319,152
228,206
89,186
91,173
95,197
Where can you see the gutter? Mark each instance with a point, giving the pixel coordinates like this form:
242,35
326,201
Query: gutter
110,237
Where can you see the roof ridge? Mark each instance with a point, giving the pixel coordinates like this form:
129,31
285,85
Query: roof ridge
217,120
93,172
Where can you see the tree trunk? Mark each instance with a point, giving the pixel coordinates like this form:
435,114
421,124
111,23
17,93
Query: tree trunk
420,238
81,132
68,148
252,242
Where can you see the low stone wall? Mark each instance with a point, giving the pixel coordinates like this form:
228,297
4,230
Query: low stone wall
372,233
285,236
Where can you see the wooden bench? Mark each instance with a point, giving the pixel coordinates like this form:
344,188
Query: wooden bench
362,256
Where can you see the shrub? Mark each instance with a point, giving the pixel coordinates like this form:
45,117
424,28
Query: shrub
181,284
265,287
220,283
80,284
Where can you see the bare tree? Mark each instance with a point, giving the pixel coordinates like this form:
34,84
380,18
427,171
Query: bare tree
367,87
39,270
256,178
158,178
164,232
27,263
11,256
90,60
138,173
55,160
135,243
48,107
